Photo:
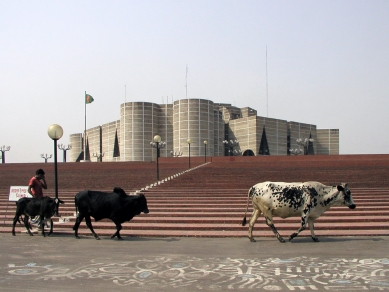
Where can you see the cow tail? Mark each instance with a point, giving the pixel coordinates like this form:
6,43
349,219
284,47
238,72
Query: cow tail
75,204
247,207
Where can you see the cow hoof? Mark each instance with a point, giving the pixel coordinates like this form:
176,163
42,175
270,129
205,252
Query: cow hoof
77,237
315,239
292,236
252,239
281,240
97,238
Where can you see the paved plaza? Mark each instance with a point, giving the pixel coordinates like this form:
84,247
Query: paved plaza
63,263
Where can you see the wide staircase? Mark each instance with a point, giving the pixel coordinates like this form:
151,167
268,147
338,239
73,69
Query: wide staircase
210,198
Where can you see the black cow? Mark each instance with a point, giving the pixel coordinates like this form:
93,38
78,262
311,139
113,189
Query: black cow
117,206
31,207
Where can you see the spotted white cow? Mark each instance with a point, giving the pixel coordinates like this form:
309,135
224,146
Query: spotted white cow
308,200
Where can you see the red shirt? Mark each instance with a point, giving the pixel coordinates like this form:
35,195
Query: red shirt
36,187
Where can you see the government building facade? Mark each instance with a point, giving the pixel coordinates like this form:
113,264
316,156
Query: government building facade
227,130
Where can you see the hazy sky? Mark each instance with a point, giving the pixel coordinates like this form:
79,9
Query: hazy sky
327,64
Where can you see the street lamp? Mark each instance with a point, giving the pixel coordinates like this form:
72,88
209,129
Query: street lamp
205,150
230,145
295,151
157,143
55,132
3,149
64,148
176,153
189,141
46,157
236,152
99,156
304,143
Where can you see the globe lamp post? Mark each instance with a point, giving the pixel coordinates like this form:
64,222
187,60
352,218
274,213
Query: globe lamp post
55,132
157,139
64,148
189,141
3,149
205,150
46,157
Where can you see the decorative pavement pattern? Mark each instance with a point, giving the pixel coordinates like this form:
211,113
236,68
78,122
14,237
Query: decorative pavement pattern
272,274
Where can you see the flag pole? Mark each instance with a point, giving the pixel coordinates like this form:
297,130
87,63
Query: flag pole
85,128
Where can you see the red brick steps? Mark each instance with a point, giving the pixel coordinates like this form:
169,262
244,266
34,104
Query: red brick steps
210,201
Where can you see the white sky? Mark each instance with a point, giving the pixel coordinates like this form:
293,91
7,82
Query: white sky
328,64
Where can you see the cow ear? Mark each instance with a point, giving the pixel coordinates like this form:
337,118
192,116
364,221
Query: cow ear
118,190
340,188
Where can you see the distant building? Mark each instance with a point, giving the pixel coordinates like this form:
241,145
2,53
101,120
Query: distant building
128,139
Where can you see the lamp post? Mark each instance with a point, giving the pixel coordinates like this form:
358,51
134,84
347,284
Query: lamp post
304,143
46,157
189,141
3,149
236,152
295,151
55,132
176,153
64,148
99,156
231,144
205,150
157,143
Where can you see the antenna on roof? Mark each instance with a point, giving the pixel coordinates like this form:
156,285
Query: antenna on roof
186,82
267,90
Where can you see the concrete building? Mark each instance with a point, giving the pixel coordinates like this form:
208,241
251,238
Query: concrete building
227,130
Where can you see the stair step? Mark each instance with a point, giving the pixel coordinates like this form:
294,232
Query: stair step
212,233
224,226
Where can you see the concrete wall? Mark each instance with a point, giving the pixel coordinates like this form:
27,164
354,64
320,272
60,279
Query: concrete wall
244,130
76,141
327,142
108,139
94,141
302,131
276,134
165,129
138,126
218,134
199,120
193,119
